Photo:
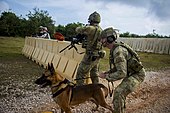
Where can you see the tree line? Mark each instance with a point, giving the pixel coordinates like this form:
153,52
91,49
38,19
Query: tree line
13,25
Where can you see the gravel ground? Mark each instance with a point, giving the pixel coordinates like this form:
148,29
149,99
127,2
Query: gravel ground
19,94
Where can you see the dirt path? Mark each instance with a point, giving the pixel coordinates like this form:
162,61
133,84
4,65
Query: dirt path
19,94
153,96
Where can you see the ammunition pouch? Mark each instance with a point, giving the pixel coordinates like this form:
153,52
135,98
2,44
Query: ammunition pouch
102,53
92,55
93,58
98,45
89,52
134,65
84,43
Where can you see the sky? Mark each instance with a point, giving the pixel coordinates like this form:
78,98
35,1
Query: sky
135,16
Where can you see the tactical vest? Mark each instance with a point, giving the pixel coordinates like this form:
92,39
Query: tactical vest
95,44
133,64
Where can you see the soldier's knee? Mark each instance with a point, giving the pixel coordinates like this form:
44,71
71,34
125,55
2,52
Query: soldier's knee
118,91
117,95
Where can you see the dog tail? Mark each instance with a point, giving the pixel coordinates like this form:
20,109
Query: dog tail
105,89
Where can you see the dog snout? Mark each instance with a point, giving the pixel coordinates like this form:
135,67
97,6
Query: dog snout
43,81
40,80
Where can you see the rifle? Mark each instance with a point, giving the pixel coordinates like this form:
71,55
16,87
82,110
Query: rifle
75,40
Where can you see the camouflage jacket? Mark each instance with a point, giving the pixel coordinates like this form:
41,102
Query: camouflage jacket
123,62
93,37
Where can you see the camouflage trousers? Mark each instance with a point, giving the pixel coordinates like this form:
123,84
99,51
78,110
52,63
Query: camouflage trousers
128,85
87,67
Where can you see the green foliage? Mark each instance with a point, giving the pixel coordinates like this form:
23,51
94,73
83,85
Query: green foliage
150,35
127,34
68,30
39,18
9,24
61,29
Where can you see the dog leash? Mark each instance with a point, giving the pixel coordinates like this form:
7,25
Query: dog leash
85,78
111,89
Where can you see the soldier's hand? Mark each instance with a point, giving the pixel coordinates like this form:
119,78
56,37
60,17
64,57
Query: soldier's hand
102,75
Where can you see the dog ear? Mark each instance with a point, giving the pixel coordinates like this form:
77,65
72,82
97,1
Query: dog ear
52,68
49,67
52,65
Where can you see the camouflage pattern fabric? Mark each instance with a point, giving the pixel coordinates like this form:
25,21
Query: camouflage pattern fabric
89,63
86,67
119,57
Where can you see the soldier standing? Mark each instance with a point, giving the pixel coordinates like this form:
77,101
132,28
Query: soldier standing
93,46
124,64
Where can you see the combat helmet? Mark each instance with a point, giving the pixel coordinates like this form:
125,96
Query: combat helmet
110,34
94,17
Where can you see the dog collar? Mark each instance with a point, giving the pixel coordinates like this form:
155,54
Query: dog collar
59,84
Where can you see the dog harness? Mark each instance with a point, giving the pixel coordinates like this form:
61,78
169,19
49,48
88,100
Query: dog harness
61,87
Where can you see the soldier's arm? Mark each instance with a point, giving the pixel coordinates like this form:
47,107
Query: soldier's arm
83,30
120,65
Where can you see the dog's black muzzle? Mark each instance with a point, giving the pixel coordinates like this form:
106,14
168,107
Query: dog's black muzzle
43,81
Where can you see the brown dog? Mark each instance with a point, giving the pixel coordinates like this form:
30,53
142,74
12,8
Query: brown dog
66,94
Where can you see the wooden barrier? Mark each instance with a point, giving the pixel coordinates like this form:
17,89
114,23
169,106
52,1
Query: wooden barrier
28,47
44,51
36,50
151,45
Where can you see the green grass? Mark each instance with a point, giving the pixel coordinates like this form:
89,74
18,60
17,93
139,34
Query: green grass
10,48
155,61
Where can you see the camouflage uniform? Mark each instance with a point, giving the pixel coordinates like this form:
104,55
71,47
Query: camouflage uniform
90,61
119,63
